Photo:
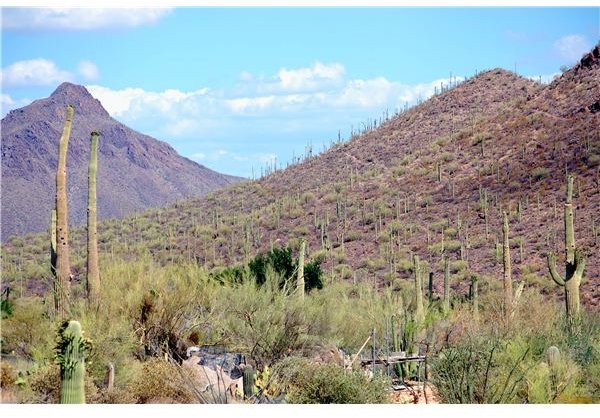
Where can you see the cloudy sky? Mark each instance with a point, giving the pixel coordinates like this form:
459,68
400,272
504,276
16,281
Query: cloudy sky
234,89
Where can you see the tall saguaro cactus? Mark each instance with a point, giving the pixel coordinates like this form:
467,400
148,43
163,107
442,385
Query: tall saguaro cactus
62,284
300,282
575,262
508,287
93,272
71,358
53,244
475,297
446,301
419,312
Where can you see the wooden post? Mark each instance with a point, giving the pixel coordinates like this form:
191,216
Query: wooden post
373,350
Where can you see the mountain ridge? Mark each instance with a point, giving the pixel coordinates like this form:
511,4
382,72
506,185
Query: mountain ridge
29,156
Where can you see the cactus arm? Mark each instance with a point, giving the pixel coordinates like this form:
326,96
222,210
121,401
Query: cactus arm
553,273
580,262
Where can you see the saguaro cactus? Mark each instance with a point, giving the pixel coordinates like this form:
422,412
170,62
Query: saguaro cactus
300,282
475,297
93,272
53,244
248,382
419,312
71,350
508,287
446,302
575,262
62,284
552,356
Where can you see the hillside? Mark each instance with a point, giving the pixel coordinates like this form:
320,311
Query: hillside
137,171
502,142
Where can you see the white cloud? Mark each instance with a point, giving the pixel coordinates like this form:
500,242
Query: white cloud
298,80
250,104
35,72
572,47
88,70
179,114
44,72
79,18
249,125
318,76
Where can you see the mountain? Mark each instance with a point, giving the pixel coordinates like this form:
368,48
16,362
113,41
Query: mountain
367,205
135,171
433,181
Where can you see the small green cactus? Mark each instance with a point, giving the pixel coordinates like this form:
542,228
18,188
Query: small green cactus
552,356
248,382
71,351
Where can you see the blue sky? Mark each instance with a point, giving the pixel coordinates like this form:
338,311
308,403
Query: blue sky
235,88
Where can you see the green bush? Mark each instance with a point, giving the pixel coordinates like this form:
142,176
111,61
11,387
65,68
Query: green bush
471,372
305,382
280,260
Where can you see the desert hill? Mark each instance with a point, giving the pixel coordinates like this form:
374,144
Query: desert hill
432,180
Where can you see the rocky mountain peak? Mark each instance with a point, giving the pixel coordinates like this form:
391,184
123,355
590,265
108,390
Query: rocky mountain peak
78,96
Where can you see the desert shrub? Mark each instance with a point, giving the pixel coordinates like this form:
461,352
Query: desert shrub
353,235
313,275
26,331
43,385
8,375
115,395
261,321
539,173
159,381
229,275
305,382
554,383
471,373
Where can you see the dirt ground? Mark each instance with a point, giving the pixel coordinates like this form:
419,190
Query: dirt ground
414,394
